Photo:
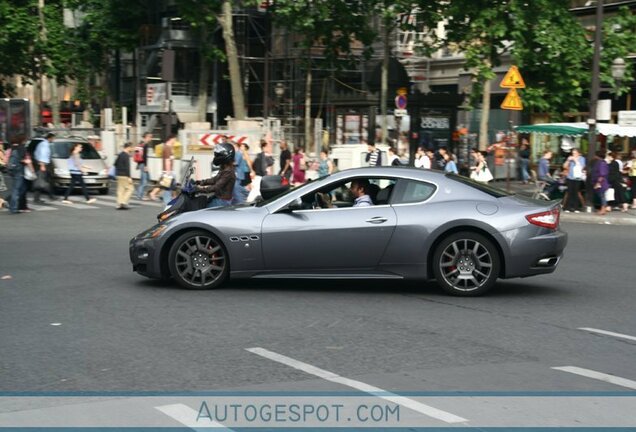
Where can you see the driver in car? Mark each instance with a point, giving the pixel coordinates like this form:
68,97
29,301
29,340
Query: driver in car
360,190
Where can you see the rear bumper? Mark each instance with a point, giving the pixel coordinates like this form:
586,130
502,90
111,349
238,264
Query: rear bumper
536,255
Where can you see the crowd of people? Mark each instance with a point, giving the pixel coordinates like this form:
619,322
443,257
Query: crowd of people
238,175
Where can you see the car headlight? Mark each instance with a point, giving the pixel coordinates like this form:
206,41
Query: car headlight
104,172
62,172
154,232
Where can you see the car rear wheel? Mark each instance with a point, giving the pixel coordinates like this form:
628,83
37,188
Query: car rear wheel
466,264
198,260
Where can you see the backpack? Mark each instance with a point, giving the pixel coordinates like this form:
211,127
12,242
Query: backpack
138,156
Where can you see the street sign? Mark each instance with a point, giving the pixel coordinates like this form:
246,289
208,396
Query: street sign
512,101
627,118
400,112
211,139
402,91
513,79
400,101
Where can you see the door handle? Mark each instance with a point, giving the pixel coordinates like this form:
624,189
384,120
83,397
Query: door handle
377,220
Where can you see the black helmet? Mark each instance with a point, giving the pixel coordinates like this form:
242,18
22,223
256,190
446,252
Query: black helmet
223,153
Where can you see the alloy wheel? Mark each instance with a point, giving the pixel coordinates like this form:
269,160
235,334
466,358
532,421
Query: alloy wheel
200,260
466,264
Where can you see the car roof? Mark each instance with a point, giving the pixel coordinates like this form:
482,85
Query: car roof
393,171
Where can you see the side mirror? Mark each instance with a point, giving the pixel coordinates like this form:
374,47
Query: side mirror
296,204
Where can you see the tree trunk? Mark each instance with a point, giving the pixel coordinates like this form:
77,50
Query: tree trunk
308,140
54,101
204,78
236,82
384,85
485,113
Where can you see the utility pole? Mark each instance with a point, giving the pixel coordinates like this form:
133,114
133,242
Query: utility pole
596,65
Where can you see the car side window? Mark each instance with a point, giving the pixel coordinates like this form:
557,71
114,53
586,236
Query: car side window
413,191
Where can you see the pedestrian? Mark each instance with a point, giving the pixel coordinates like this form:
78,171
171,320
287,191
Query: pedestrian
394,160
575,164
524,161
631,167
141,158
543,173
421,159
124,179
44,166
374,157
600,171
241,170
615,179
299,166
249,171
285,161
451,165
77,170
325,165
166,182
481,172
222,184
262,166
19,160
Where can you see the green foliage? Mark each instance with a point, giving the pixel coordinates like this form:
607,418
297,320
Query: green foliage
619,40
334,25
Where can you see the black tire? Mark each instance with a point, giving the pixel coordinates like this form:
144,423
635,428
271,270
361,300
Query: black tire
466,264
198,260
103,191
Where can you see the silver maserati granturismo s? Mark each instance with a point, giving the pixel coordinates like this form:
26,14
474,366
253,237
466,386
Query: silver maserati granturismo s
366,223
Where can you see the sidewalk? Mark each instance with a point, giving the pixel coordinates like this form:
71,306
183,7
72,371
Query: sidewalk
613,218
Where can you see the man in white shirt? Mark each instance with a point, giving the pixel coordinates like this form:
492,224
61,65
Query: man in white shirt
44,165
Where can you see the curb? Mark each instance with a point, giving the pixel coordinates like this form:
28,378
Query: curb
598,220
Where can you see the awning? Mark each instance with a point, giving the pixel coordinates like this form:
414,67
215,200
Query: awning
577,129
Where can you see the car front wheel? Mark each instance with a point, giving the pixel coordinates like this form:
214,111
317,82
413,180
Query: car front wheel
198,260
466,264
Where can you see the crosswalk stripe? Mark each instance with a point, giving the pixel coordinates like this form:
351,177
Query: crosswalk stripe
41,207
132,202
75,204
612,379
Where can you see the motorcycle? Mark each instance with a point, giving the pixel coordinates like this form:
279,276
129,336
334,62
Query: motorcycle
187,200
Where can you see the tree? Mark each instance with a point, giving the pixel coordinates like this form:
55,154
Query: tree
204,16
426,13
331,27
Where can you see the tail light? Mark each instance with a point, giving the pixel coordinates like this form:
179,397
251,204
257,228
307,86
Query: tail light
548,219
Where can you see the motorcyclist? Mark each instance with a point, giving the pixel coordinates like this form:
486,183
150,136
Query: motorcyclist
222,184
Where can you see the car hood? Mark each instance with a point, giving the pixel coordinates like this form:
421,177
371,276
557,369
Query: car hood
94,165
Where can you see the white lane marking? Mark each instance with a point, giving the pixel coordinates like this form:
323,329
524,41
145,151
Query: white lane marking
133,201
612,379
358,385
41,207
76,205
188,417
608,333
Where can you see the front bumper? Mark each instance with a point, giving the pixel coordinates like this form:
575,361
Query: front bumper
145,257
92,183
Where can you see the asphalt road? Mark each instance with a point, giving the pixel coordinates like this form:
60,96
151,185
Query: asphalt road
73,317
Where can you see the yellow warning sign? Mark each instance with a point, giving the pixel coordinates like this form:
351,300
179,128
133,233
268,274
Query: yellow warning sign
512,101
513,79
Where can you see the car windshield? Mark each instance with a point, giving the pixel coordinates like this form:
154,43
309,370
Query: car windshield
490,190
62,150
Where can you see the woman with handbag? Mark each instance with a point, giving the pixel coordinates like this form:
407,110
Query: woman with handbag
77,170
575,164
615,179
